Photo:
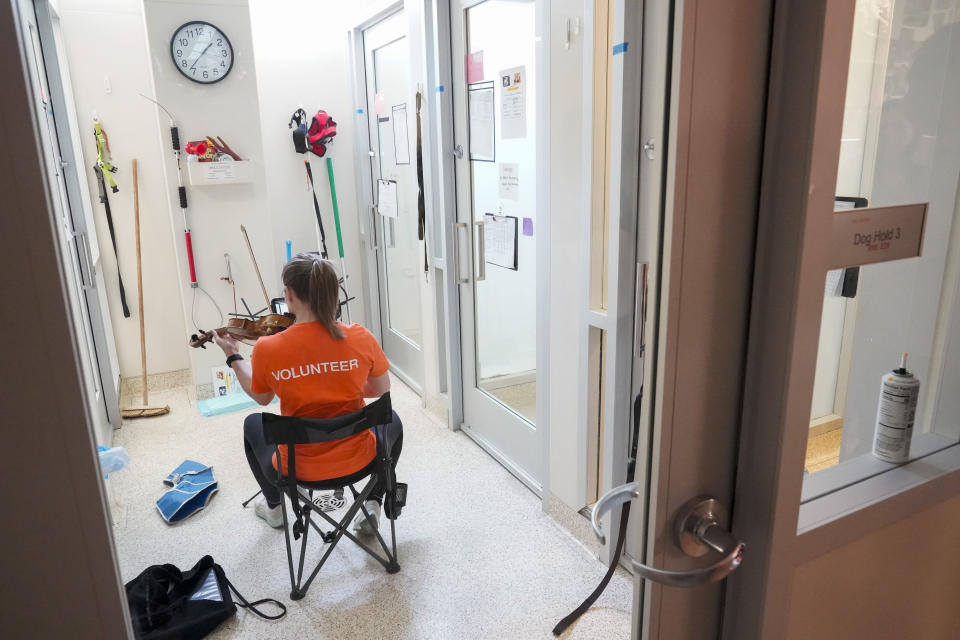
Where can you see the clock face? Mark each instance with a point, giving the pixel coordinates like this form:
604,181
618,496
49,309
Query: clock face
201,52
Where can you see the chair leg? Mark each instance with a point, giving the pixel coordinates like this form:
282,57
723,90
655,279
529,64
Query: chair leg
303,552
339,530
295,593
394,566
298,585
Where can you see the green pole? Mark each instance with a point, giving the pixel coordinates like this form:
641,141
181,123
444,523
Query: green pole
336,209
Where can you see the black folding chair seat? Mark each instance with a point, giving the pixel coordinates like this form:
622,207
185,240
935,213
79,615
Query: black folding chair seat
288,431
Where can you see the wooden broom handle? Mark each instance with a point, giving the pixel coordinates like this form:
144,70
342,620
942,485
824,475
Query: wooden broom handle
136,226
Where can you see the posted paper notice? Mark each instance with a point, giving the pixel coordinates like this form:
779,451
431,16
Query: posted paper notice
513,103
387,199
482,134
509,181
500,240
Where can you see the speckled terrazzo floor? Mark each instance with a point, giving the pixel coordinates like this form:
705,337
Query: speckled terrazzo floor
480,559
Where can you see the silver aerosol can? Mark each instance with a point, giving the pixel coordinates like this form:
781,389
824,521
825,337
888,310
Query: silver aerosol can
899,391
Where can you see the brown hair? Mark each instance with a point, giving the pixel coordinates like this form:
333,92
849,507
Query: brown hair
315,281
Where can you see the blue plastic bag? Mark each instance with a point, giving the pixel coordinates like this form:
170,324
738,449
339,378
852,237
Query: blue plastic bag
113,459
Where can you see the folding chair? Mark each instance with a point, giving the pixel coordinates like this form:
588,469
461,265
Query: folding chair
287,431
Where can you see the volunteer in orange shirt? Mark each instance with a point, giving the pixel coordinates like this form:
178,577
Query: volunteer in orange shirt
319,368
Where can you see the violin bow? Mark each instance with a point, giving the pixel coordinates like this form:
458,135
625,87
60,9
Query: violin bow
256,267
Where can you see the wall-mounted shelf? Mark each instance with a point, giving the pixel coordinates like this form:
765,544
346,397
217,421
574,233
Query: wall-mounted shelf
214,173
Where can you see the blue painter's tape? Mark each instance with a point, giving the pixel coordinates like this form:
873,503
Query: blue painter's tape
620,48
360,111
439,88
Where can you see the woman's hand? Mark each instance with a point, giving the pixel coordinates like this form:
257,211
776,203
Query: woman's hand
226,342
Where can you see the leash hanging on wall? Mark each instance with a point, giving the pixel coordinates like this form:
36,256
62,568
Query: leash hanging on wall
421,207
104,171
182,196
314,138
591,599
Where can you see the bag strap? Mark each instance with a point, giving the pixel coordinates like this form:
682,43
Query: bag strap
252,606
316,208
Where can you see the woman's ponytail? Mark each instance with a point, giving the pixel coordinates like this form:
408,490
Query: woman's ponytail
315,281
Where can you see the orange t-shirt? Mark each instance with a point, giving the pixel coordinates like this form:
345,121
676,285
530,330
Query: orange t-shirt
317,376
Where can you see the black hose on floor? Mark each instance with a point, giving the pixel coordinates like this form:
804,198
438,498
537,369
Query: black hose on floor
579,611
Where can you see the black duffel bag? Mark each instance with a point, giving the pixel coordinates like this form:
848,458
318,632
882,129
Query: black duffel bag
169,604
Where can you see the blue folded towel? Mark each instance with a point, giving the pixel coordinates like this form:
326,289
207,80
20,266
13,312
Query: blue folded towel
192,485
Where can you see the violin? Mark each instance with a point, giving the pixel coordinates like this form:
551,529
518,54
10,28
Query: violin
246,330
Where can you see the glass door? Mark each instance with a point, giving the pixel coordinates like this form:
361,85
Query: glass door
391,109
78,246
496,136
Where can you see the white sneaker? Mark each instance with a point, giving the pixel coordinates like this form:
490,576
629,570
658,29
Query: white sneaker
273,517
362,525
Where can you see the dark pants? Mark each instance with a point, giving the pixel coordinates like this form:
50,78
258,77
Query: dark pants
260,455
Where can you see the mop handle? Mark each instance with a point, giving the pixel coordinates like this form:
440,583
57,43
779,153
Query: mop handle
336,209
136,225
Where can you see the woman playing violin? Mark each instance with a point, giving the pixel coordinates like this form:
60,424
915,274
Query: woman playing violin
319,368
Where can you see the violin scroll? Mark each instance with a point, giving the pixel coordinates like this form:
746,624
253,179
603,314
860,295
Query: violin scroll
200,341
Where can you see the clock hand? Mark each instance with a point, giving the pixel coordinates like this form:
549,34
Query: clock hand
194,65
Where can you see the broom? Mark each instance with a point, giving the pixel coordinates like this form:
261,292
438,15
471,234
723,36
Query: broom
145,411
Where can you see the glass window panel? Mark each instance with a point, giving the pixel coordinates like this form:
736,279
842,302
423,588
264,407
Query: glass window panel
403,255
503,32
901,145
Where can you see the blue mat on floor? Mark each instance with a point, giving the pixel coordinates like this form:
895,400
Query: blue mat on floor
225,404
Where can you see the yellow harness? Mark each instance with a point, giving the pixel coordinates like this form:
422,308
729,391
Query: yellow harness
103,155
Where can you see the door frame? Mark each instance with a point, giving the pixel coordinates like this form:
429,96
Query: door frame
369,241
400,348
78,199
711,198
421,60
804,126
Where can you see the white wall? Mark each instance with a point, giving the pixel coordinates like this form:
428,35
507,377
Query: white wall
297,67
228,109
129,121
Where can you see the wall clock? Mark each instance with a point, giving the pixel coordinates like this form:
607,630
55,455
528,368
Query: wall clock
201,52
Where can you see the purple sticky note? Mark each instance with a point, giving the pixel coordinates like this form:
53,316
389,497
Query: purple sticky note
528,226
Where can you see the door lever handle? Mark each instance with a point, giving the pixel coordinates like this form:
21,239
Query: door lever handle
456,251
481,250
697,531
